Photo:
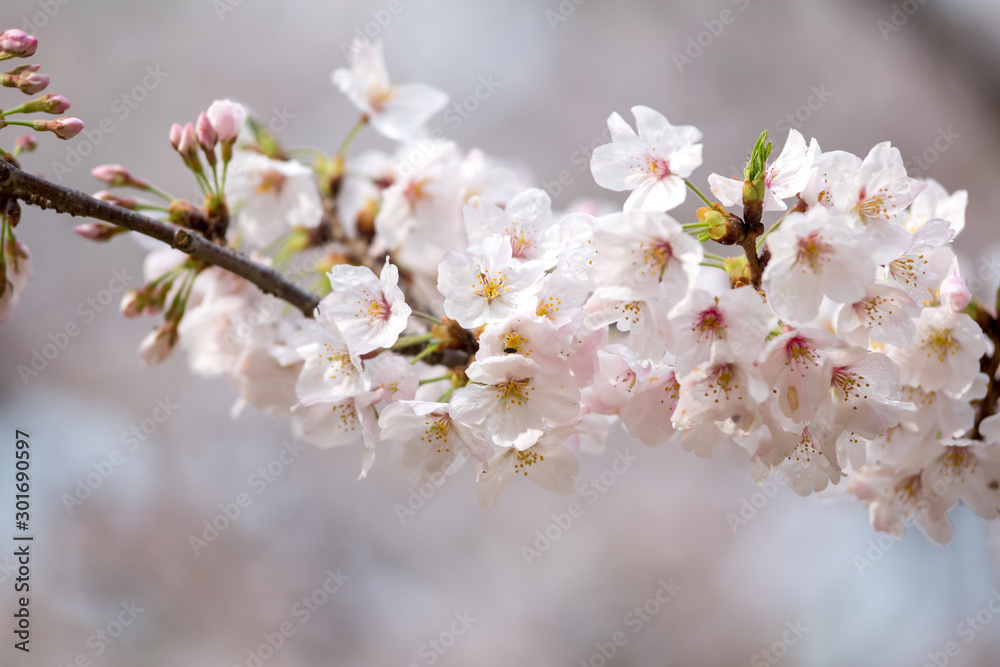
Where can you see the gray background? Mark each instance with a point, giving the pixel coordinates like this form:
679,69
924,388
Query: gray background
665,517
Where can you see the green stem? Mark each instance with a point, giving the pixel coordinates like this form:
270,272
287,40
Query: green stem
152,189
430,380
415,339
430,349
427,318
352,135
202,182
151,207
7,112
713,266
717,258
694,189
695,225
763,237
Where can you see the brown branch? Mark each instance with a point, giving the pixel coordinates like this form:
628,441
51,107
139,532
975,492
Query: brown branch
47,195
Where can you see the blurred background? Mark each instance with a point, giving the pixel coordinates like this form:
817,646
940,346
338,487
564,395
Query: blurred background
371,573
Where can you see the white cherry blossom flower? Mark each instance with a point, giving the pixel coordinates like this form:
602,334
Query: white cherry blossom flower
526,220
864,391
935,203
432,440
271,197
488,286
874,190
641,249
370,312
895,498
647,416
721,390
330,373
535,338
912,269
547,463
945,353
966,470
816,254
513,401
740,317
397,111
885,314
797,367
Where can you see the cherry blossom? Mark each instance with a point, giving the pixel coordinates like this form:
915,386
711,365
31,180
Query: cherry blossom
487,286
272,197
369,311
816,254
651,164
397,111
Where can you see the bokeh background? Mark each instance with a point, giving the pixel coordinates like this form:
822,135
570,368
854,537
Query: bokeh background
562,68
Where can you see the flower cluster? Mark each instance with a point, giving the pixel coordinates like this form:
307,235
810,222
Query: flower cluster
15,260
464,319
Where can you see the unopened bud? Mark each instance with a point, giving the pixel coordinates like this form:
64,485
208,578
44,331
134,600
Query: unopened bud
98,231
207,137
188,141
159,343
955,294
717,219
66,127
26,79
133,302
26,143
112,198
227,117
9,298
46,104
158,297
20,268
188,148
738,270
176,131
15,43
116,175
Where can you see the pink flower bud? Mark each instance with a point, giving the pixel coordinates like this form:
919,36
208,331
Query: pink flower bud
117,200
20,268
955,292
116,175
66,127
9,299
133,302
98,231
16,43
54,103
158,344
26,143
189,140
26,79
207,137
227,118
176,130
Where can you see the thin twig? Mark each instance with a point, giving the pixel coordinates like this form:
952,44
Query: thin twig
47,195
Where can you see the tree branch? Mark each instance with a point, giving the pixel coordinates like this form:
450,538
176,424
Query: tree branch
47,195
